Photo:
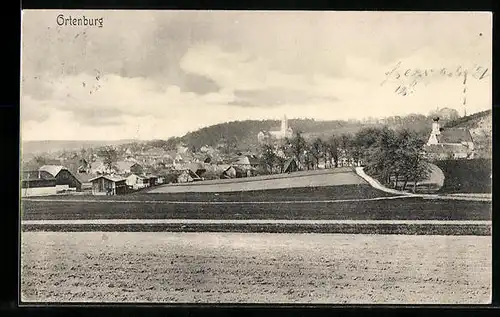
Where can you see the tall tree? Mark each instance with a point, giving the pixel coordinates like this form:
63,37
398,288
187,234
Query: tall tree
411,158
268,157
316,150
40,160
333,150
298,146
109,157
396,158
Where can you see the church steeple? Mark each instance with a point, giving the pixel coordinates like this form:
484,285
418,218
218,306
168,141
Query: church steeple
284,125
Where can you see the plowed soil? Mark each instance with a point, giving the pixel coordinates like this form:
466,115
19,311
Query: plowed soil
254,268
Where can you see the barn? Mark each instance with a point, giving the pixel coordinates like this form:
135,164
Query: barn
65,180
37,183
109,185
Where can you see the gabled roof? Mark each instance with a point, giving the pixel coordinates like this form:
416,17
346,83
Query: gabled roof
236,168
191,173
32,175
289,162
84,178
113,178
196,166
125,165
247,160
454,135
53,169
136,175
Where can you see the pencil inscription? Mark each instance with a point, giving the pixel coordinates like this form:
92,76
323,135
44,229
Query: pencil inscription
407,78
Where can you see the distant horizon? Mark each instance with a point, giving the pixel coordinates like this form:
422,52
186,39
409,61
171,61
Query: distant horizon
179,136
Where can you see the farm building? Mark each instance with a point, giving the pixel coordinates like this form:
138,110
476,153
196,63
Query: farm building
449,143
137,181
187,176
65,180
85,180
37,183
108,185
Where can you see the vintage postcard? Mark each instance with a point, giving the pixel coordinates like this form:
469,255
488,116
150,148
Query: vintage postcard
256,157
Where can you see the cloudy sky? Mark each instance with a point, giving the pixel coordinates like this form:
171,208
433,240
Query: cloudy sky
156,74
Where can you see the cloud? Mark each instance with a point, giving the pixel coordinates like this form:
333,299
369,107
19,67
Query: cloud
157,74
277,96
251,77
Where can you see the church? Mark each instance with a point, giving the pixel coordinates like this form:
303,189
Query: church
284,132
449,143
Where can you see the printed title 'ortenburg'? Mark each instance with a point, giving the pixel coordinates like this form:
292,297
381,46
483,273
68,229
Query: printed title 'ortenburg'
63,20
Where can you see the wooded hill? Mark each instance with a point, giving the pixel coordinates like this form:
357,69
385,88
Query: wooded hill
242,135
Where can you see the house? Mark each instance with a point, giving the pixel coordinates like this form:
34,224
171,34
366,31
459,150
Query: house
137,181
446,152
291,165
449,143
125,167
247,162
187,176
234,172
161,180
109,185
284,132
65,180
84,166
152,179
37,183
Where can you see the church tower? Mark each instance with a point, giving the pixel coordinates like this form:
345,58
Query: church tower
284,125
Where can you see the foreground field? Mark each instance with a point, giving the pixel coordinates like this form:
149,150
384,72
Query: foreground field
244,206
232,267
359,191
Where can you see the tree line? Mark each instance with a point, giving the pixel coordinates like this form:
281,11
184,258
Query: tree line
394,157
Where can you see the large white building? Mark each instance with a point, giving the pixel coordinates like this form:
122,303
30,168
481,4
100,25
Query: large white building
284,132
449,143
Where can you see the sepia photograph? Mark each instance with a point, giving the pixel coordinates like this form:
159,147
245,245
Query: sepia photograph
255,157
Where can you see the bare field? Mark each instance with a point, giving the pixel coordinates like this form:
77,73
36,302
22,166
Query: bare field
335,178
261,268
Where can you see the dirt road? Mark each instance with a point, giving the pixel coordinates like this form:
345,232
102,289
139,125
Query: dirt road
264,268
